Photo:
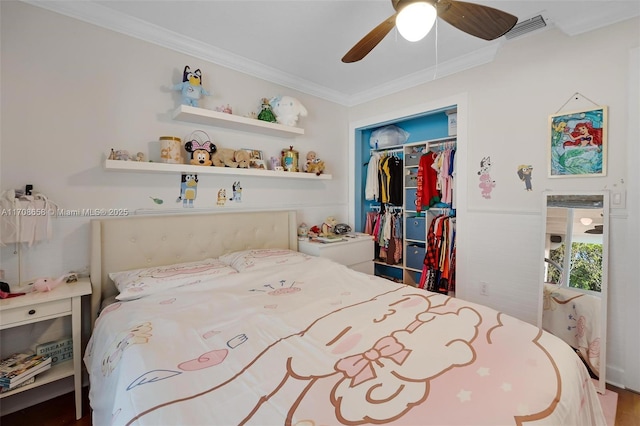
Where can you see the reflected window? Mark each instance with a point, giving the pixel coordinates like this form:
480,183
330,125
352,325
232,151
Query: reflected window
586,266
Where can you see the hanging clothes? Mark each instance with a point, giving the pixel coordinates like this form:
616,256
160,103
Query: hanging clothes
26,219
395,166
371,188
444,167
427,194
382,179
439,262
385,227
394,244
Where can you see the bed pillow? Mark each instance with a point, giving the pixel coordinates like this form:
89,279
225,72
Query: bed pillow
137,283
252,260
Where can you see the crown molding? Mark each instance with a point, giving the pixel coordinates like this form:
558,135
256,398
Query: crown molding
608,16
465,62
96,14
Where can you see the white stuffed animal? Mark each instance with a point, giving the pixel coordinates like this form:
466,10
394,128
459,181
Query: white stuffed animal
287,109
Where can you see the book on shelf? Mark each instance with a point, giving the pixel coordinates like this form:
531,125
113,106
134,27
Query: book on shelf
25,383
357,235
58,350
330,239
20,367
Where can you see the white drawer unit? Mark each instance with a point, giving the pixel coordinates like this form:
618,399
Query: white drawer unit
37,312
356,253
64,300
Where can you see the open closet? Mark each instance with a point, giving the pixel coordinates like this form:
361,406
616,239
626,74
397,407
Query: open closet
407,200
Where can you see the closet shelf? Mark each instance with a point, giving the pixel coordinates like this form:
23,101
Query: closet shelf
148,167
425,142
382,262
234,122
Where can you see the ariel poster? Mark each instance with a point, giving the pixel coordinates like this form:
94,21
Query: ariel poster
578,143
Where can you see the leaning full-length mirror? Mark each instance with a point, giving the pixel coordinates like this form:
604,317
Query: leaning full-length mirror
574,274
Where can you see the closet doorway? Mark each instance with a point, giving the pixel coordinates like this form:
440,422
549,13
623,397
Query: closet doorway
426,124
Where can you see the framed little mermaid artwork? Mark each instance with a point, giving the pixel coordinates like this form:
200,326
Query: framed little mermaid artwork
578,143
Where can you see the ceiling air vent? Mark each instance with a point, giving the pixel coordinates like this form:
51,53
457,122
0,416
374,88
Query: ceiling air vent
525,27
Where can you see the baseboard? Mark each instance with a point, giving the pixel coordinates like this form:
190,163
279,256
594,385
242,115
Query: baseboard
615,377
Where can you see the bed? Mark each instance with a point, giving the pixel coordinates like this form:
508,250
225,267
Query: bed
220,321
574,317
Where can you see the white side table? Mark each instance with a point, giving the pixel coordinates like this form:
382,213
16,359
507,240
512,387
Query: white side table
355,253
35,307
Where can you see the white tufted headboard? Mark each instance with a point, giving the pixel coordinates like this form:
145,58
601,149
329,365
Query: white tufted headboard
120,244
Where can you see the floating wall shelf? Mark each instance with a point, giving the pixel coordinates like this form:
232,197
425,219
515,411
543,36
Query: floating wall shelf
235,122
148,167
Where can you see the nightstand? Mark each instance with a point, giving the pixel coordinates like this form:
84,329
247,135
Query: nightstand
35,307
355,253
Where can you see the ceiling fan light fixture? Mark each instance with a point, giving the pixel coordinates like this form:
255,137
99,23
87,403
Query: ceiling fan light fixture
416,20
586,221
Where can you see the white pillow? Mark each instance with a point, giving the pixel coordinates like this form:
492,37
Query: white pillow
252,260
137,283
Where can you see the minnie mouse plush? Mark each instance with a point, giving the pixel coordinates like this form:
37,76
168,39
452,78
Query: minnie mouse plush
200,152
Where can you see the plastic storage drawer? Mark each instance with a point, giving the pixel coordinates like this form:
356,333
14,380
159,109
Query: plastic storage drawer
415,229
412,159
414,256
411,179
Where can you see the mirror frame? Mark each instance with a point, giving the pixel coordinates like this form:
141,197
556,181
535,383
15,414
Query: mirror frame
604,289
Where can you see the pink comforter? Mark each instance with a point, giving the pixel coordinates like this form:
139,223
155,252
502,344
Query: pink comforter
318,344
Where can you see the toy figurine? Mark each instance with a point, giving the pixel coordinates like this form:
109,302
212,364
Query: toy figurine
313,164
191,87
48,284
314,231
275,163
226,109
328,225
287,110
266,114
303,232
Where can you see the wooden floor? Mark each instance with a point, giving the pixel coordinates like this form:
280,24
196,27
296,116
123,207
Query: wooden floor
60,411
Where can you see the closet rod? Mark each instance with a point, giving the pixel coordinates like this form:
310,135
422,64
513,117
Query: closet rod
384,151
387,207
443,145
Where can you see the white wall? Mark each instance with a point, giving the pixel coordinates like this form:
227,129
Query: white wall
509,102
71,91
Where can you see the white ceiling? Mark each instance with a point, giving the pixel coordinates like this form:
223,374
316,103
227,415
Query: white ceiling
299,43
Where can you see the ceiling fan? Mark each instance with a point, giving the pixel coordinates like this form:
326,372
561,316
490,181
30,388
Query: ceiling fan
597,229
419,15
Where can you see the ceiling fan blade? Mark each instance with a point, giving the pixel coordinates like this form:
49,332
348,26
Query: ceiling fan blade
480,21
597,229
371,40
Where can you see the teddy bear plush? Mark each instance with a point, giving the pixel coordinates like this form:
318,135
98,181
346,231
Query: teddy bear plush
328,225
313,164
123,155
227,157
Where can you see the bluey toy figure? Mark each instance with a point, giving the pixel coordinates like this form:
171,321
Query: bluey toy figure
188,189
191,87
